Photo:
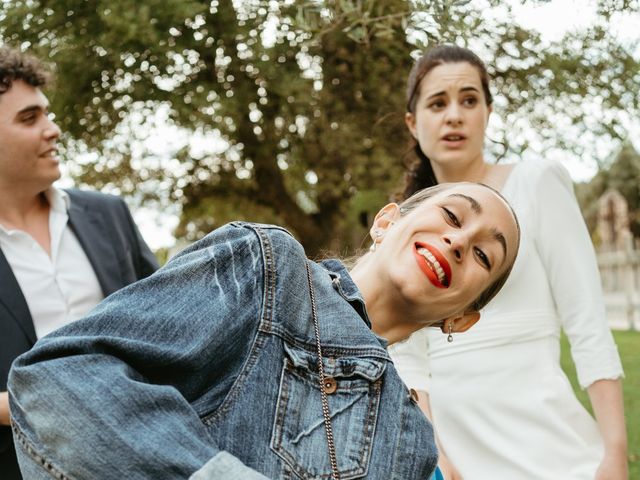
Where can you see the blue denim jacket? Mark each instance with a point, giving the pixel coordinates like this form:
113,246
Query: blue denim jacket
207,369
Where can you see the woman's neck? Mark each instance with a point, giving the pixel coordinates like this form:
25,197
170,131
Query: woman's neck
389,316
475,171
481,172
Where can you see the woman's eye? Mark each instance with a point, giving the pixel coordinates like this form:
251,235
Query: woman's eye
470,101
436,104
483,258
452,217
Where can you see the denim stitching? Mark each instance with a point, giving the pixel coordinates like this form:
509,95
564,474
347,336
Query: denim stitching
35,456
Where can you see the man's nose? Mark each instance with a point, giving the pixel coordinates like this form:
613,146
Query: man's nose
51,130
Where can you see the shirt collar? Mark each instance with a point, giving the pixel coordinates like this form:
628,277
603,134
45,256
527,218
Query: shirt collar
59,202
58,199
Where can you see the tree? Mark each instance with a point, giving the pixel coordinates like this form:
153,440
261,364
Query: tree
301,101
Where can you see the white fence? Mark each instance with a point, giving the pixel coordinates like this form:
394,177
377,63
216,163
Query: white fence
620,272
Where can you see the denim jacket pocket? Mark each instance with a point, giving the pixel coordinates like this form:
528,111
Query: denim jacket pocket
299,435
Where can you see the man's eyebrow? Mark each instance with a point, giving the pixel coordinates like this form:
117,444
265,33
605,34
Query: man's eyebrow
477,208
33,108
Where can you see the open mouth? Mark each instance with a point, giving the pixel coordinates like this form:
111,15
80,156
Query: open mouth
433,264
454,137
49,153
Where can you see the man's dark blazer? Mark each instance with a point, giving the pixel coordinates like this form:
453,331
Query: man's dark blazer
119,256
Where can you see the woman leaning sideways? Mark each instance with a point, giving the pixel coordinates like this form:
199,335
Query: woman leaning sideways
241,359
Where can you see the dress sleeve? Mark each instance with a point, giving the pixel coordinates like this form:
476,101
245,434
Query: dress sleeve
411,360
120,393
567,253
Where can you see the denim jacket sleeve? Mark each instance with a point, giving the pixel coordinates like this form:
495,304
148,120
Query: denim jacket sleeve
116,395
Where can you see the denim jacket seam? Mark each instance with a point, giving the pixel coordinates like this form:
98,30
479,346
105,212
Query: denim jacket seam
260,337
329,350
21,438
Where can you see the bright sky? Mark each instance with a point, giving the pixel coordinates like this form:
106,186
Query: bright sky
553,19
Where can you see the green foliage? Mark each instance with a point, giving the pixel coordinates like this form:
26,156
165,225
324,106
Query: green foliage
299,103
627,342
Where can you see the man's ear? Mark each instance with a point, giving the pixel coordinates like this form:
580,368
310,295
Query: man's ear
410,122
461,322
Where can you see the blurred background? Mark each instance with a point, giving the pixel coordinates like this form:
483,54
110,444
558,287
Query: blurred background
199,112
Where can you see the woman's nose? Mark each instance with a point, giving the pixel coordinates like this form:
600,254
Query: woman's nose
457,244
453,114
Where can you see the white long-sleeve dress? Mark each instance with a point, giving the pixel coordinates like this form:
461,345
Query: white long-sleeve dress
502,406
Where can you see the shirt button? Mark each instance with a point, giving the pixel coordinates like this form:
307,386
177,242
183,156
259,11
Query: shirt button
330,385
414,395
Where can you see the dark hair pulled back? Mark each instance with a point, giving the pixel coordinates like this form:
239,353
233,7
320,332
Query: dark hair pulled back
420,172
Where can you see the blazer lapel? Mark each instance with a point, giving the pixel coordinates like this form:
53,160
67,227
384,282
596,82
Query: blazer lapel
97,244
13,300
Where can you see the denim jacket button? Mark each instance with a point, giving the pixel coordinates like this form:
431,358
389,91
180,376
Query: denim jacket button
330,385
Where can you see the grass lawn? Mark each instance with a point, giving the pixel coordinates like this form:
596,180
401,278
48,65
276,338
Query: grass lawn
629,348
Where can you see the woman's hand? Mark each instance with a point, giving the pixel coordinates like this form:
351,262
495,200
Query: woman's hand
614,466
449,472
606,400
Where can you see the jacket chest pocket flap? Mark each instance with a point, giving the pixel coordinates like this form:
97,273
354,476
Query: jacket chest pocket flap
354,394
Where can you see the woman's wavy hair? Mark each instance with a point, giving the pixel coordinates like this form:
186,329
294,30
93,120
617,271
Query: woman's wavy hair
420,173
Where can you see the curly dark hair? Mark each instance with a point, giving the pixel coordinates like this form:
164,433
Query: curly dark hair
420,173
16,65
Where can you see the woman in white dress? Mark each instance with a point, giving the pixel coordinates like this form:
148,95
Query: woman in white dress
500,403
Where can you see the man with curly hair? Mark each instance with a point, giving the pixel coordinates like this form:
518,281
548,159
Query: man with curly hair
61,251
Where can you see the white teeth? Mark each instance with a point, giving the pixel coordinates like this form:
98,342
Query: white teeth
433,262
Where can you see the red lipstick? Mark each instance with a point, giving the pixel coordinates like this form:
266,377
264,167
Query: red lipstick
430,266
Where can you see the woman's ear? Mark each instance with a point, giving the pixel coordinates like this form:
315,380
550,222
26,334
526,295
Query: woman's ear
460,323
383,220
410,121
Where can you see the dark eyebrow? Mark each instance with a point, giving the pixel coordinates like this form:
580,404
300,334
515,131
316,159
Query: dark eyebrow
464,89
502,241
469,89
477,208
433,95
31,109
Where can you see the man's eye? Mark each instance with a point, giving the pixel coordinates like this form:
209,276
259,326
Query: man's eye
483,258
452,216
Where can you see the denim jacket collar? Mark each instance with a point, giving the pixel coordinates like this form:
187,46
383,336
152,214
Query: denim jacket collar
345,286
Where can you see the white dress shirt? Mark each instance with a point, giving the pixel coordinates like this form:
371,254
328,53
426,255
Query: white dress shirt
59,288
